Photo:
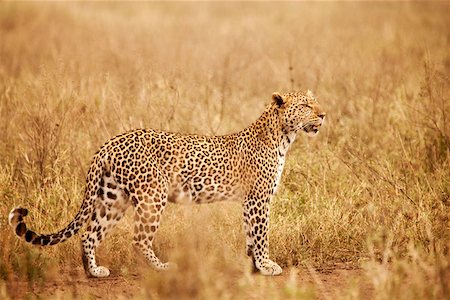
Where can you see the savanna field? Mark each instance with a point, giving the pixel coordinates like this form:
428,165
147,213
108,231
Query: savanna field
363,211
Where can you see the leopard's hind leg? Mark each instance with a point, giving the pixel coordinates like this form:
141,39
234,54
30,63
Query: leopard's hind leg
149,199
110,207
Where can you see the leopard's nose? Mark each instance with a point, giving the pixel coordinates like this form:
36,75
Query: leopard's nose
322,115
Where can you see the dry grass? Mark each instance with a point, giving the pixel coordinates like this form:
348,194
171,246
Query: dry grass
372,191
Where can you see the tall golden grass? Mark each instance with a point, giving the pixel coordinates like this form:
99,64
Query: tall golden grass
371,191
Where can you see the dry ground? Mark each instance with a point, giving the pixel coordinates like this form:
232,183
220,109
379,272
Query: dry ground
330,284
371,192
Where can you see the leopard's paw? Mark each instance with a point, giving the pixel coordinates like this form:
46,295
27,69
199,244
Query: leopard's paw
99,272
268,267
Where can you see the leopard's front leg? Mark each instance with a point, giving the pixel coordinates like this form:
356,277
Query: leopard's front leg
249,239
256,224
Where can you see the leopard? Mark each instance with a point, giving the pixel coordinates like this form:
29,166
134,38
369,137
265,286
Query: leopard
146,169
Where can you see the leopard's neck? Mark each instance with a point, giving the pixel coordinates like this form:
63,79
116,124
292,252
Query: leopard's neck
269,130
266,128
285,142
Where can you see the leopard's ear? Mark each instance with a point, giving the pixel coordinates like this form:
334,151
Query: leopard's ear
310,94
278,99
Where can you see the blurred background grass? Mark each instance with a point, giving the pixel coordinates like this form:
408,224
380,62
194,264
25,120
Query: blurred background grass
372,191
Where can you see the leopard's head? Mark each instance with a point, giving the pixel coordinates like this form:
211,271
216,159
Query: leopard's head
299,112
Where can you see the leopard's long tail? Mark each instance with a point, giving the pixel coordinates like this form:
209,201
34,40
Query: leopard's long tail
16,218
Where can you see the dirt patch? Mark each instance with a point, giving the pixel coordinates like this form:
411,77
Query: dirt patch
327,284
75,284
336,283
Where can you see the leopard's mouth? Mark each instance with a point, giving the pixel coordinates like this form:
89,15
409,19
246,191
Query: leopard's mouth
311,129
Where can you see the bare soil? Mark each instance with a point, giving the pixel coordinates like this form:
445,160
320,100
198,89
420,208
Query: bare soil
328,284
